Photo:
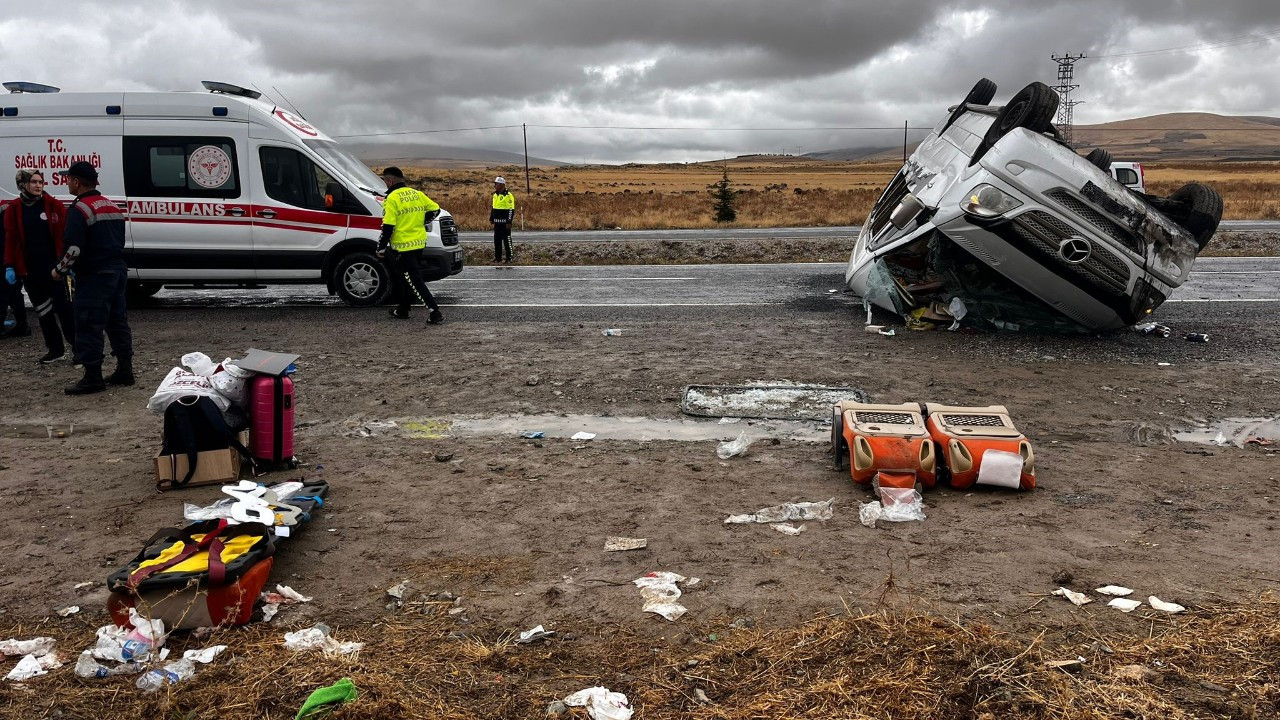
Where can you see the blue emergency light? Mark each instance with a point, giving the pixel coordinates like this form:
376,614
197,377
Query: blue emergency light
29,87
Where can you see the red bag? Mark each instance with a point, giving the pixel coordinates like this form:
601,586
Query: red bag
271,418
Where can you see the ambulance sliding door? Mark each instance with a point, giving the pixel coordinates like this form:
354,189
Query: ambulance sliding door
189,208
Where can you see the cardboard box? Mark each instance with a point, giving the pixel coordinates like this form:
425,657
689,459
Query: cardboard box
212,467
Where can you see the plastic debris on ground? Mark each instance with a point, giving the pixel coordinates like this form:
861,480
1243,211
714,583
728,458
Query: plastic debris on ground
787,512
766,400
69,610
38,657
611,332
318,702
733,448
534,635
622,544
83,585
1151,328
788,529
1077,598
583,436
1123,605
659,591
373,428
1163,606
283,595
178,670
397,594
894,505
1114,591
319,638
1000,468
129,644
533,434
601,703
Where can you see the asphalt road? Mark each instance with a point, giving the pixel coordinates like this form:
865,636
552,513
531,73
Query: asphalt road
571,289
847,231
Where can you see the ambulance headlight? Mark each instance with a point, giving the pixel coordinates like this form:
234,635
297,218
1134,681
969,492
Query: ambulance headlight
988,202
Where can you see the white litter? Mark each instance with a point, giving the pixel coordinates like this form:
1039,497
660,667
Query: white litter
30,666
1125,606
1076,598
958,311
1163,606
730,420
35,646
582,436
284,595
318,638
621,544
899,505
534,634
1114,591
659,591
601,703
1001,469
204,655
788,529
733,448
87,667
291,594
786,512
83,585
69,610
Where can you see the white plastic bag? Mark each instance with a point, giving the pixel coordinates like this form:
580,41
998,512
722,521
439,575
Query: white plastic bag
198,363
602,703
727,450
659,591
182,383
786,512
232,382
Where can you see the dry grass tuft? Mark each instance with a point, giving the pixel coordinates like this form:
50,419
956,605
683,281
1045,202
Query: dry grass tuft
1217,662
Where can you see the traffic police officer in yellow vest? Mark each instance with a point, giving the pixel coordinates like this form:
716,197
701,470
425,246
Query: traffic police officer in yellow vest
406,214
504,211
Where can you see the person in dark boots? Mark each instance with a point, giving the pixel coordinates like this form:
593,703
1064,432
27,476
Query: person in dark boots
406,214
94,248
33,226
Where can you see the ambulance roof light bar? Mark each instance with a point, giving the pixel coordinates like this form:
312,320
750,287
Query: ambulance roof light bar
29,87
229,89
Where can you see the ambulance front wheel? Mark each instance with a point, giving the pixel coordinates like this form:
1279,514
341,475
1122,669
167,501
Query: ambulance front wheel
362,280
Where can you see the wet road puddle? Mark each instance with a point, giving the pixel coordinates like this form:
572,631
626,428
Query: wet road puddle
604,428
42,430
1233,431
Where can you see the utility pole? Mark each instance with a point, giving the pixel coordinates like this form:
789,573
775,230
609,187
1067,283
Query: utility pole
1066,106
524,129
905,124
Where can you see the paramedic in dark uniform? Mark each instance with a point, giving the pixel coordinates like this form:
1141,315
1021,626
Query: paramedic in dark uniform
94,242
11,295
33,225
503,213
406,214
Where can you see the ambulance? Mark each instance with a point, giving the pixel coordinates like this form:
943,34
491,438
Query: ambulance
221,188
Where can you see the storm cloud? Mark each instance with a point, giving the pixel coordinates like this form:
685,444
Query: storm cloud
750,75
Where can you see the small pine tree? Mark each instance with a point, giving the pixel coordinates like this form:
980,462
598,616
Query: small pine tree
724,200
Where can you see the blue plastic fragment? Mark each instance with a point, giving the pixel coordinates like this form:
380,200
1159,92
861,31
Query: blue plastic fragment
532,434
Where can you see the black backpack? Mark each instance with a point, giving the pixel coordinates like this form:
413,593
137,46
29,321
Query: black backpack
192,425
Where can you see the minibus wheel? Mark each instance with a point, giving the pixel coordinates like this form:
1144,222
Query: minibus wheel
361,279
1100,158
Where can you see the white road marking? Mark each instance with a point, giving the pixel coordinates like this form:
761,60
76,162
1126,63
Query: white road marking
573,279
605,305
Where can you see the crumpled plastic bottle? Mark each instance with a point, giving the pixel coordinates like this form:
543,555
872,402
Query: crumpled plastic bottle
174,672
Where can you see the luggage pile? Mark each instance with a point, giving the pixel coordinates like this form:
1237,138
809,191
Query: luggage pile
210,570
910,445
218,416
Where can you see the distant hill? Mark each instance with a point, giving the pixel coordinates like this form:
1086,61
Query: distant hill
1173,137
441,156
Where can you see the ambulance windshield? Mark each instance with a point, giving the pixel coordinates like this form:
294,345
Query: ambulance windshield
348,165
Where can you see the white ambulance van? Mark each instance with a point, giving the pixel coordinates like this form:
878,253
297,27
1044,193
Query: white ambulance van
220,188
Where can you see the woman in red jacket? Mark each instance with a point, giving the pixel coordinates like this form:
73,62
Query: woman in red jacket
33,225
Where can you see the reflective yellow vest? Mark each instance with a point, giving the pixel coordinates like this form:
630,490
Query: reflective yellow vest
504,207
406,209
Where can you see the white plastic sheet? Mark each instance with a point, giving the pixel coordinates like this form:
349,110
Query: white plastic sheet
601,703
1001,469
786,512
899,505
34,646
1123,605
786,529
182,383
733,448
1163,606
1077,598
659,591
1114,591
318,638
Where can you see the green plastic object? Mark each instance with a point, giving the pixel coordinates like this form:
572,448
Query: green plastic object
319,701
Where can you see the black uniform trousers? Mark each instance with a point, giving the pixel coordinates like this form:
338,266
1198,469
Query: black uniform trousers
57,319
407,267
502,241
100,306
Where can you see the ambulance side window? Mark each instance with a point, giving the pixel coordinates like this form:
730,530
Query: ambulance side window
181,166
290,177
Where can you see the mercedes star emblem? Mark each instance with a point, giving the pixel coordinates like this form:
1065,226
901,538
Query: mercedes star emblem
1074,249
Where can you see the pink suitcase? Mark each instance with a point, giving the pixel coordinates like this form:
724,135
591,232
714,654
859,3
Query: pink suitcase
271,419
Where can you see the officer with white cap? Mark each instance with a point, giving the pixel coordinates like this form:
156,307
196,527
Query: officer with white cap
504,211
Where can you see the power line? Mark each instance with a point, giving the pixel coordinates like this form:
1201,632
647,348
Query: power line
1210,45
424,132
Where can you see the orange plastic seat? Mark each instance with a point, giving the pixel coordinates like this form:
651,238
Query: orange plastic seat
890,440
966,434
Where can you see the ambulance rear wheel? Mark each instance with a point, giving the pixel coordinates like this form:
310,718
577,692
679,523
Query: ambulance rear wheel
839,447
362,280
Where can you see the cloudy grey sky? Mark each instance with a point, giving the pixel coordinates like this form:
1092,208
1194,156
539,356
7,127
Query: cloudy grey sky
358,68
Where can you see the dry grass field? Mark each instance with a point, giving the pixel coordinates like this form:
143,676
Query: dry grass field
773,192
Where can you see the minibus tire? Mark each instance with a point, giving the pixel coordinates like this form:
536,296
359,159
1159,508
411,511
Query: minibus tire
361,279
983,92
1204,211
1100,158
